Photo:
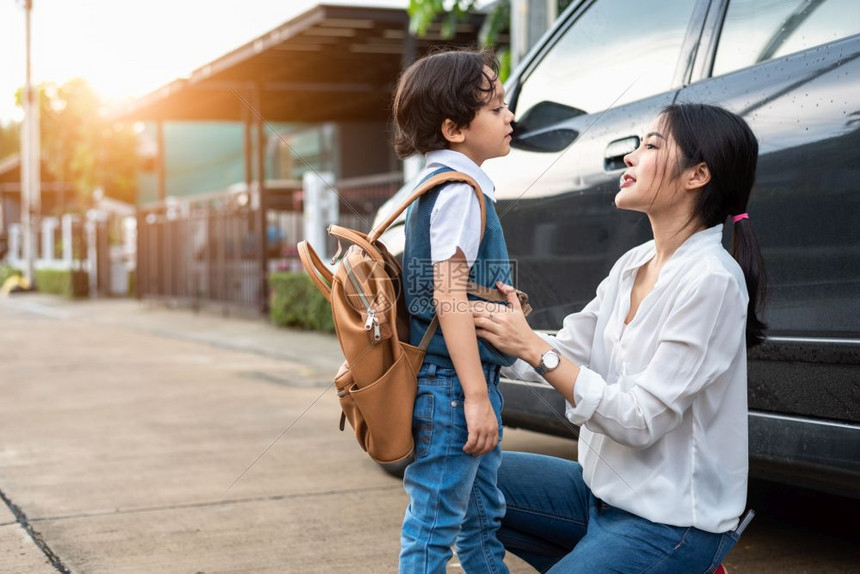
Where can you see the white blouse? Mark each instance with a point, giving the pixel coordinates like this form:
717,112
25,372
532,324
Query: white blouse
662,402
456,217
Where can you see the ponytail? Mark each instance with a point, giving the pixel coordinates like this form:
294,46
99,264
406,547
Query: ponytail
746,251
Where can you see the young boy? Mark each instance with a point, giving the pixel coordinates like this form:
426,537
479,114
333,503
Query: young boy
450,107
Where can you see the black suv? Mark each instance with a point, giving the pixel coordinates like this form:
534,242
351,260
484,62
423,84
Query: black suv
583,97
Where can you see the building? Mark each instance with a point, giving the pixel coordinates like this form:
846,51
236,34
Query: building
231,144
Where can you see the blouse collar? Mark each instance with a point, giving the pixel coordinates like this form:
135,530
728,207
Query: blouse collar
692,247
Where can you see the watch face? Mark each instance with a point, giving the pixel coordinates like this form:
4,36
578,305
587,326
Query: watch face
551,360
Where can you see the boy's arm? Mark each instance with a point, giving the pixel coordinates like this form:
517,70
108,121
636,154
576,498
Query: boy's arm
455,318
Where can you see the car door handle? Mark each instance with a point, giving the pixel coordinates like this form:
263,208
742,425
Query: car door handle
613,157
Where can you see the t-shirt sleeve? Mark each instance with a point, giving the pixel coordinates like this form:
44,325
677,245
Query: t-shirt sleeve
455,223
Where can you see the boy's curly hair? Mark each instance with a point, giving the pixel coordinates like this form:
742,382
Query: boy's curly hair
446,85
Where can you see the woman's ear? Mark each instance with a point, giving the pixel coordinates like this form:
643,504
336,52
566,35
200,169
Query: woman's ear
697,176
452,132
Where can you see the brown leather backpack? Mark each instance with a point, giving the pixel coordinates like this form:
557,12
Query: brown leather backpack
378,385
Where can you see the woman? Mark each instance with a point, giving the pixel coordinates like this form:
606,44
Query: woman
653,369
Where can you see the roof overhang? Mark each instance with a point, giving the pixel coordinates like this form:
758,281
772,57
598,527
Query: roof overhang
331,63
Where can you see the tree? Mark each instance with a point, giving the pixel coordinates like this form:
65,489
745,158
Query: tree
422,13
80,146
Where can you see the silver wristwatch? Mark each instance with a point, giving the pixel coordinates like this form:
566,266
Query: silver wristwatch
548,362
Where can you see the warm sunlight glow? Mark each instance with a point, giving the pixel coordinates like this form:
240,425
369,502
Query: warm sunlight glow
127,49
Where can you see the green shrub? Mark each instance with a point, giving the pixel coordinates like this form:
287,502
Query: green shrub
7,271
69,284
296,302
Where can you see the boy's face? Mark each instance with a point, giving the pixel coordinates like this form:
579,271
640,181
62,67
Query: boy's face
489,133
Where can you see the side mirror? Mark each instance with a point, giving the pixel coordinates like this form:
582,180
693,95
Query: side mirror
539,128
546,141
545,114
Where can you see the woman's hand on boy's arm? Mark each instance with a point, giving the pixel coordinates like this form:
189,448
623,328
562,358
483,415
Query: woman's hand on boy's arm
458,329
505,327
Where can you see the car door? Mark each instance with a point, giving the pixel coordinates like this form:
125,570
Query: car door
582,99
791,68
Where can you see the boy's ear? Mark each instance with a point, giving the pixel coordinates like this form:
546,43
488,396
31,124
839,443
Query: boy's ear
697,176
452,132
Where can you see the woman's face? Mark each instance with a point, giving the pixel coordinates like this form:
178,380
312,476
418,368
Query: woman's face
650,182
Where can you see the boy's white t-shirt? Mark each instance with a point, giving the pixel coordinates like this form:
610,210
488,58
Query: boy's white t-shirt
455,221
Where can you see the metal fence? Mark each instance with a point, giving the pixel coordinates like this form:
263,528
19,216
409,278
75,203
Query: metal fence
201,250
217,250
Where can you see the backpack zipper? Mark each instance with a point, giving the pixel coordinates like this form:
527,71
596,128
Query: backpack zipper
372,321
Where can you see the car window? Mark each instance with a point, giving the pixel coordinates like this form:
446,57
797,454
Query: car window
759,30
616,52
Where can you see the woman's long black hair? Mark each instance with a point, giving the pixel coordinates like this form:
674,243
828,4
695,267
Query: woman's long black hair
727,145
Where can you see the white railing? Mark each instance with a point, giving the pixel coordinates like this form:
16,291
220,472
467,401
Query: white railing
48,257
59,238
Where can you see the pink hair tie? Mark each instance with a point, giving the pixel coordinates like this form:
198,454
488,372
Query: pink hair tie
736,218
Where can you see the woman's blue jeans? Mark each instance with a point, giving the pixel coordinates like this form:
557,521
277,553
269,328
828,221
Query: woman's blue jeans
453,497
557,525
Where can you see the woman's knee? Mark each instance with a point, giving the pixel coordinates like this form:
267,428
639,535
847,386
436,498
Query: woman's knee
526,477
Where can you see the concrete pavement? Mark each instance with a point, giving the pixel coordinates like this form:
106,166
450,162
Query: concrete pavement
136,439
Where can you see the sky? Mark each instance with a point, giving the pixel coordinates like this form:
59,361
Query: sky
128,48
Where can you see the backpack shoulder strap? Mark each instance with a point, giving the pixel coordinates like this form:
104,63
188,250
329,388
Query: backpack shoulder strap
435,180
316,270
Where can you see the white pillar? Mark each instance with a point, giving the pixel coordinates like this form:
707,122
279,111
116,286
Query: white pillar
49,226
14,255
321,208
